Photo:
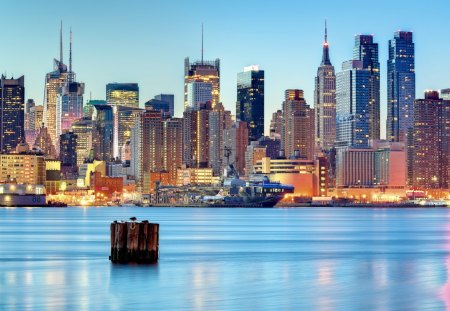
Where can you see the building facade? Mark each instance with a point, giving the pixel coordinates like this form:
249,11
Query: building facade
202,71
123,94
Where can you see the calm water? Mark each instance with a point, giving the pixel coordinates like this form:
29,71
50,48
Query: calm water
229,259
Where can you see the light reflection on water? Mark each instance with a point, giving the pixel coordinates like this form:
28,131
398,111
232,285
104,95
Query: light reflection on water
229,259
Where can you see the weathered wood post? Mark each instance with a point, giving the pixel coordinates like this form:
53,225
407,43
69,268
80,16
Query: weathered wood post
134,242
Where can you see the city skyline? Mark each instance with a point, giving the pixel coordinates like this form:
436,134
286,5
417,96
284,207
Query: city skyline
154,59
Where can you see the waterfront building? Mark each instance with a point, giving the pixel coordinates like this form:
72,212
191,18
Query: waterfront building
366,51
202,71
87,169
355,168
196,176
307,176
53,176
105,187
390,164
235,140
162,102
12,119
198,93
103,132
53,82
325,101
298,124
83,129
196,141
401,86
69,106
352,105
26,168
430,167
250,100
123,94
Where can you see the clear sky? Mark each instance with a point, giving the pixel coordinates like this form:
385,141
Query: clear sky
147,41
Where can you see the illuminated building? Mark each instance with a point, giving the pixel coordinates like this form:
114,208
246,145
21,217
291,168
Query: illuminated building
30,104
22,168
67,150
106,187
83,130
156,147
53,82
198,93
401,86
235,139
325,101
250,100
69,106
355,168
52,176
123,94
35,120
305,175
430,167
12,121
366,51
202,71
219,120
86,170
196,176
123,124
352,105
103,132
88,108
298,125
196,140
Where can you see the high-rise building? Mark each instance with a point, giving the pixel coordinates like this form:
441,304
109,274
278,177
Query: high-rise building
325,101
12,120
276,125
162,102
352,105
236,141
430,167
53,82
202,71
445,94
103,132
198,93
219,120
88,108
172,147
298,125
83,129
22,168
250,100
254,153
69,106
67,149
35,117
30,104
401,86
44,142
123,94
196,130
366,51
123,123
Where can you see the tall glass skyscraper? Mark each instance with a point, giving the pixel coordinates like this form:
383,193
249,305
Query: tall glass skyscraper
12,120
123,94
366,51
69,106
401,86
250,100
352,105
325,101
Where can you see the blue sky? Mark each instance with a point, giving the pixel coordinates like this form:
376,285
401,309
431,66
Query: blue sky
147,41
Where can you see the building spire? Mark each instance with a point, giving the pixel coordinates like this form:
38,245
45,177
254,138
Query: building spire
60,44
202,43
326,54
70,51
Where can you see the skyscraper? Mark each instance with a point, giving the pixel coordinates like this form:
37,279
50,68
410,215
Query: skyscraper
12,120
169,99
83,130
162,102
401,86
325,101
123,94
298,125
123,123
219,120
366,51
202,71
196,130
69,105
198,93
430,167
250,100
352,105
67,152
53,82
236,139
103,132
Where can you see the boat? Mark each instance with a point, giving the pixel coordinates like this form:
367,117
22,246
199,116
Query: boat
257,191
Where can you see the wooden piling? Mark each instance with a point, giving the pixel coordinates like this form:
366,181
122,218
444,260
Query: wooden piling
134,242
